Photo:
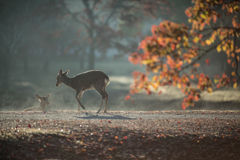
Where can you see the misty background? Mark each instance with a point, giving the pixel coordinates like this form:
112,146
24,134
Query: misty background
38,38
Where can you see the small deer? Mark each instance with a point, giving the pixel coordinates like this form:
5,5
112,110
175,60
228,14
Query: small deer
43,102
85,81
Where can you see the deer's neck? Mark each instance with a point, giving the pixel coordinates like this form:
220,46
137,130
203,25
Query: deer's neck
67,81
41,105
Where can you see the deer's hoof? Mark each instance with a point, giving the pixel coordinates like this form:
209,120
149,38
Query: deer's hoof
105,111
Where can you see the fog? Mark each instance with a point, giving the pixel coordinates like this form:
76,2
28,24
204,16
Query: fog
38,38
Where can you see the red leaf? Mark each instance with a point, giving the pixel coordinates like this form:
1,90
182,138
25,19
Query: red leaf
224,75
214,18
134,58
207,61
127,97
196,98
183,106
153,29
160,92
109,122
173,46
125,138
29,126
229,61
192,76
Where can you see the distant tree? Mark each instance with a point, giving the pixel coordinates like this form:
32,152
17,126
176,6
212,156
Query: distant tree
100,19
11,36
174,51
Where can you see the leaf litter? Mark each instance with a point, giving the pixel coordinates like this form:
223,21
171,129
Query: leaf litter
121,138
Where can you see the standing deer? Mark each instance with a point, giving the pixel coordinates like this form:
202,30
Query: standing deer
43,102
85,81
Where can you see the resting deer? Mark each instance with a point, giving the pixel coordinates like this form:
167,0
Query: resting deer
43,102
85,81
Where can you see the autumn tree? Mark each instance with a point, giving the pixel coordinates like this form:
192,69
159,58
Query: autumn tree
174,51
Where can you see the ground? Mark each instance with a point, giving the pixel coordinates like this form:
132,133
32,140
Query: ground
120,135
151,127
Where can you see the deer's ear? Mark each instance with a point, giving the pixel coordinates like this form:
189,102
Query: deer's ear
37,96
47,96
60,72
66,72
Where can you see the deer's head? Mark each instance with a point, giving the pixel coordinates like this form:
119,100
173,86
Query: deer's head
61,76
43,100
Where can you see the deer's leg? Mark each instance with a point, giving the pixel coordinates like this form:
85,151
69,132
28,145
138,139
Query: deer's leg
106,95
80,97
100,106
79,93
100,91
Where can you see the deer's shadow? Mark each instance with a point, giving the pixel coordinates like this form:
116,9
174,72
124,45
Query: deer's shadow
96,116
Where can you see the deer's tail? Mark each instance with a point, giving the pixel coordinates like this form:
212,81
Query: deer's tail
106,81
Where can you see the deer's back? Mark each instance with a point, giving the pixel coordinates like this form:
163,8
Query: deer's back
89,78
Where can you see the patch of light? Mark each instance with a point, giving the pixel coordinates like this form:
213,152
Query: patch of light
26,84
121,79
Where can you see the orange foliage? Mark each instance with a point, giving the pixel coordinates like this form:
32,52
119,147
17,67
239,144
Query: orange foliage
176,43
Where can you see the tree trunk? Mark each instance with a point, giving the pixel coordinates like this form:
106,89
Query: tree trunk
103,55
1,72
81,63
25,63
91,58
5,69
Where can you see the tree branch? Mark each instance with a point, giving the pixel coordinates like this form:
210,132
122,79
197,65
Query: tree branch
200,57
27,7
76,18
106,22
95,3
216,28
